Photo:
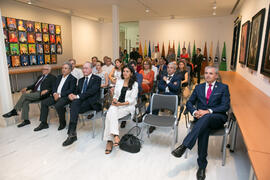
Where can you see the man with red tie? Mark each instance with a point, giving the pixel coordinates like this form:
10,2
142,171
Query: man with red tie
212,100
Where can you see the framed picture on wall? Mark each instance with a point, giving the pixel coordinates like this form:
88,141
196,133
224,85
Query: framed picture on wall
15,61
31,37
45,28
21,25
14,48
23,49
53,59
11,24
236,34
13,36
22,37
40,48
30,26
52,38
33,59
32,48
46,48
53,48
9,61
265,67
38,37
7,48
4,23
58,39
38,27
24,60
59,49
6,35
57,29
244,42
46,38
47,59
51,29
255,39
40,59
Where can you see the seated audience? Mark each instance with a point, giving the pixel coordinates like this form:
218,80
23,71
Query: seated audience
171,55
208,105
139,63
124,101
148,76
76,72
116,72
103,75
154,68
108,66
65,85
182,71
94,62
162,68
41,89
85,98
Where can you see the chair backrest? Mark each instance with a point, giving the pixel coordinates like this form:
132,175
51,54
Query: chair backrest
161,101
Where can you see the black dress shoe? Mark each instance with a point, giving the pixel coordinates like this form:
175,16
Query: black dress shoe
123,124
90,116
62,126
151,129
41,126
10,114
201,174
70,140
178,152
24,123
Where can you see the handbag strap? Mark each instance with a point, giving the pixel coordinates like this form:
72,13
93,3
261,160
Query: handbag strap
135,128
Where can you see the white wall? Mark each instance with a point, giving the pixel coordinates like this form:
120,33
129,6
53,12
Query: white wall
86,39
106,40
188,30
247,10
28,12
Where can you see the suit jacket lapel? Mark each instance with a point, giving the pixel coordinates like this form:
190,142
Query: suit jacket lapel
213,92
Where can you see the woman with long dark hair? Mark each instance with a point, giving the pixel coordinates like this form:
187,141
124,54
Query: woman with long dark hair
124,101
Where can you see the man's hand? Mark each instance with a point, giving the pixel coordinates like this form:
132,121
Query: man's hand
165,78
56,96
43,92
201,113
23,90
72,97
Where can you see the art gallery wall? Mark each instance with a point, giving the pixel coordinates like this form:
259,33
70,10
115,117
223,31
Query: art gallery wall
27,12
247,10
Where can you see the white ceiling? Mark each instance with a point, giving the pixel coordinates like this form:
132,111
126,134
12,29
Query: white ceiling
134,10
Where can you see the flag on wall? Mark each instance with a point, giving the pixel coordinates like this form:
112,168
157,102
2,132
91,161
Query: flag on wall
173,47
178,50
158,46
145,50
193,51
163,51
210,59
223,62
184,45
216,60
169,47
140,49
205,59
149,50
189,50
153,47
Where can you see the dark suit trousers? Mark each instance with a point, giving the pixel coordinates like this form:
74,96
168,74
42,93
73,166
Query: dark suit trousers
59,106
201,131
198,74
77,106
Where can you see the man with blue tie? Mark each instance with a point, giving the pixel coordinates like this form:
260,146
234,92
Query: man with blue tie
212,100
86,98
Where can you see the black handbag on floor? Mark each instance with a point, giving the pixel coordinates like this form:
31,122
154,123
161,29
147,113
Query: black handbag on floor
130,142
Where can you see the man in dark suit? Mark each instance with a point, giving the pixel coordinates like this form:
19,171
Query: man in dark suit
86,97
65,85
197,62
212,100
41,89
134,54
170,84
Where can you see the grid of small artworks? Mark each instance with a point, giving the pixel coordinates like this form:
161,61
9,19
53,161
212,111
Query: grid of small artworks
31,43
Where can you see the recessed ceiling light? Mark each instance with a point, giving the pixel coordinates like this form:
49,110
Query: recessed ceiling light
147,10
214,13
29,2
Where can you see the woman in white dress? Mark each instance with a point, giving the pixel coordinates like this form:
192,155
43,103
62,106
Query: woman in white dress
124,101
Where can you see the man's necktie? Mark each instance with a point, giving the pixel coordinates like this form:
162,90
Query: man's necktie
209,91
38,83
85,85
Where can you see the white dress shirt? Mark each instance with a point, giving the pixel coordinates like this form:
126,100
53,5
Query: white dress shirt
61,84
168,81
77,73
89,76
155,69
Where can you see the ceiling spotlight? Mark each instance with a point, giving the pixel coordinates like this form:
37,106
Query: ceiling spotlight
101,20
214,13
29,2
215,5
147,10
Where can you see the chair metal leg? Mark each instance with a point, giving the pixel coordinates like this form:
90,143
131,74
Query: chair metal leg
94,123
148,134
222,144
103,127
224,150
234,135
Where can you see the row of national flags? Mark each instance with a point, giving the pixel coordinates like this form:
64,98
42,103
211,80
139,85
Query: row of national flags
209,59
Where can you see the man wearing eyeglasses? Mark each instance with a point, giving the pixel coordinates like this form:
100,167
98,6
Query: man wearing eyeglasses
39,90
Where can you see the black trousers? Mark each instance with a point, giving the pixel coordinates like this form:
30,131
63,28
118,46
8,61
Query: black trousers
77,106
59,106
201,131
197,72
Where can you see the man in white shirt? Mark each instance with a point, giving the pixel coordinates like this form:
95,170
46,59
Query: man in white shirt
108,66
156,54
76,72
65,85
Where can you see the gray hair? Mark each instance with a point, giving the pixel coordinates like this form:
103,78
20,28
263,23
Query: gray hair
211,67
173,64
72,60
69,65
90,64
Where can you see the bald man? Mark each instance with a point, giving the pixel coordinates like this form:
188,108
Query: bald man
41,89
